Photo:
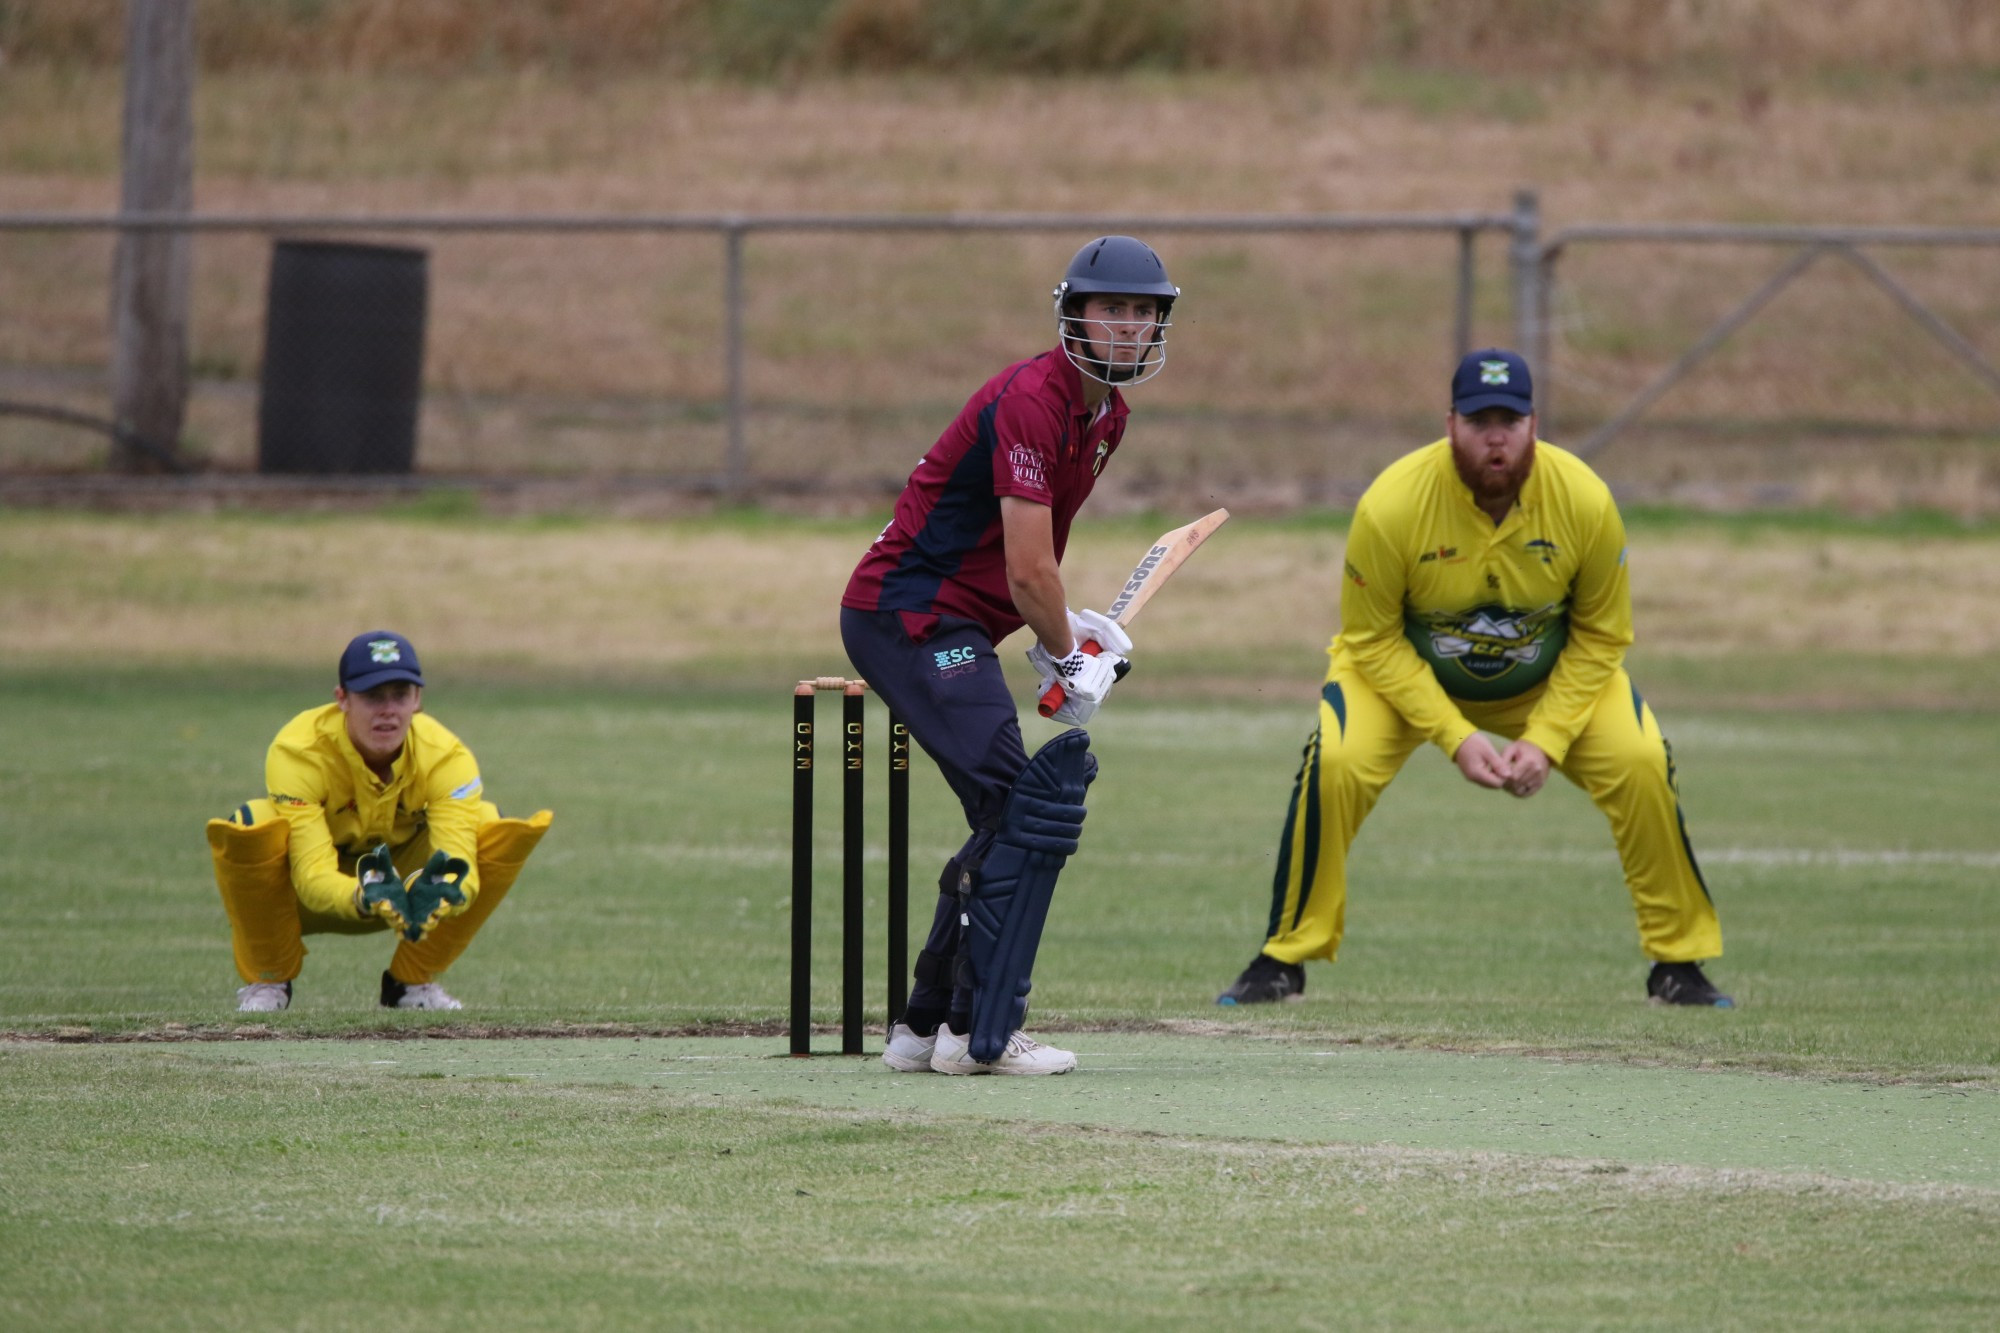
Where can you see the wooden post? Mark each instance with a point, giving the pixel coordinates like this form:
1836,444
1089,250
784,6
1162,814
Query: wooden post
149,277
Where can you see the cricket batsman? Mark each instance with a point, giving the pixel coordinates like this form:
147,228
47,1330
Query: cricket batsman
1485,591
972,554
374,818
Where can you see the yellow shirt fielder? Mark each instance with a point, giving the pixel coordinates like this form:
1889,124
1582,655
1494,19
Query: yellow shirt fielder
374,817
337,810
1439,603
1485,591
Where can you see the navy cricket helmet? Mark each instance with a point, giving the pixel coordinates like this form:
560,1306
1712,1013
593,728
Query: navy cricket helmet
1114,265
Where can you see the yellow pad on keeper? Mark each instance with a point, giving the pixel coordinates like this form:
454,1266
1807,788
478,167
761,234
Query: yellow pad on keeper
253,844
506,844
253,872
504,848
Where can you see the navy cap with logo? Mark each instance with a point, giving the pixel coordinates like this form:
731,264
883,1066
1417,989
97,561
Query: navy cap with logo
376,658
1492,378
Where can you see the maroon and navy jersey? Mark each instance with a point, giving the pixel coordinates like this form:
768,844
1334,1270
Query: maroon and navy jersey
1026,433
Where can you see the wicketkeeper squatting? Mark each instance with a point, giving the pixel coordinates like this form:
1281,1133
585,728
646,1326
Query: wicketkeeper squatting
374,818
1507,610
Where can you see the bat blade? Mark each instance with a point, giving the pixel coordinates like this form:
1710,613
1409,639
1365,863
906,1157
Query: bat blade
1166,555
1158,565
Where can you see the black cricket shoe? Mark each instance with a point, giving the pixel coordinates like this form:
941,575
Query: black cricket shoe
1266,981
1683,983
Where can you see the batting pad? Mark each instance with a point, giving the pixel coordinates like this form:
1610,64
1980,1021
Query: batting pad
1009,902
253,872
504,847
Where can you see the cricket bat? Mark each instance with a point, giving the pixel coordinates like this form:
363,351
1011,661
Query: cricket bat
1160,562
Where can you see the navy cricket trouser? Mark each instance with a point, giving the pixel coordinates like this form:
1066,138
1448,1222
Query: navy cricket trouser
950,692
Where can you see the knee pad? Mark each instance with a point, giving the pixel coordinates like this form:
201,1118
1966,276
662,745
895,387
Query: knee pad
244,840
505,846
253,872
1009,893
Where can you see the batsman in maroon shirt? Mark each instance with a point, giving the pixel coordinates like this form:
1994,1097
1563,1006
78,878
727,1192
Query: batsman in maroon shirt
974,553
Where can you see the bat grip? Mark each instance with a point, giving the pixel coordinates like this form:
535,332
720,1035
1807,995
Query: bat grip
1053,697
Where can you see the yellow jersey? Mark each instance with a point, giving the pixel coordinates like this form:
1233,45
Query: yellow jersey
338,810
1440,605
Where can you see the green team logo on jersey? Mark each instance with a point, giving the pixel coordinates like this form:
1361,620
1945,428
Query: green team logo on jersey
1489,652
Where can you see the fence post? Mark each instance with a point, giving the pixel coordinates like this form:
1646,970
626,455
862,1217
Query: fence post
1461,333
1524,258
736,459
150,270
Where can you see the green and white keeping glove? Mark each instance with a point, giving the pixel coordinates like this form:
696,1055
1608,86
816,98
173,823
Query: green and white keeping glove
378,893
434,893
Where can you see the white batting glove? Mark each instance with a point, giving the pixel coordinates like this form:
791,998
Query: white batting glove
1086,681
1110,635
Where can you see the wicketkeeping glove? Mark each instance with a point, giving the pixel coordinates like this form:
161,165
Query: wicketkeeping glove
378,893
434,893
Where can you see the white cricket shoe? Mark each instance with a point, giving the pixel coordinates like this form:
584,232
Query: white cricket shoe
264,997
430,995
1024,1055
907,1053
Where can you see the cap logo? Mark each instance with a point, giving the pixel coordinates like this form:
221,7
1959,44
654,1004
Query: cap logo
1493,372
384,650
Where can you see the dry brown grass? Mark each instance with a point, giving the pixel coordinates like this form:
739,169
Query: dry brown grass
644,599
1264,35
1299,364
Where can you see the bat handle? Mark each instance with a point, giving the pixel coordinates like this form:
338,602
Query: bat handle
1052,698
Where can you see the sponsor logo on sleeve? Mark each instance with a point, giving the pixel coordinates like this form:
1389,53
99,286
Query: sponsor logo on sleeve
1027,466
468,790
1354,574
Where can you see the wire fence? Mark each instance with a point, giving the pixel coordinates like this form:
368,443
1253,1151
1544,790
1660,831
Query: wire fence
754,355
749,353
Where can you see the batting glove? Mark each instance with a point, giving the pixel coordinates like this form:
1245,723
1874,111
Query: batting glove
434,893
1108,633
378,893
1086,681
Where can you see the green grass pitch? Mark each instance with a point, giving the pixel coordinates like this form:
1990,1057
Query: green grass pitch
1474,1120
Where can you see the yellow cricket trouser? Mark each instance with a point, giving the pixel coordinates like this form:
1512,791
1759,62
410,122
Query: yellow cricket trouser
1621,760
267,922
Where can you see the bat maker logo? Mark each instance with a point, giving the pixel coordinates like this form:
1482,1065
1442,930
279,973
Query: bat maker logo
1138,580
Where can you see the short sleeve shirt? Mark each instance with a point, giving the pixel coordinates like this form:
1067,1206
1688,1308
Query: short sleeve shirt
1026,433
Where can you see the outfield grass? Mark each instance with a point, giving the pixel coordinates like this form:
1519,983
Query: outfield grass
1473,1120
1852,857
